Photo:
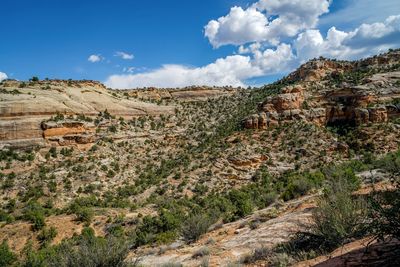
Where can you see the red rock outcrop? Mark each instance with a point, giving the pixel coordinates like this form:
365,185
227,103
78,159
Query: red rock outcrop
69,132
373,100
317,69
348,106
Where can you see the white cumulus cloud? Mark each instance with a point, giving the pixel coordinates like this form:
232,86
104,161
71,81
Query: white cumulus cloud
260,51
225,71
366,40
276,61
232,70
265,21
95,58
238,27
124,55
3,76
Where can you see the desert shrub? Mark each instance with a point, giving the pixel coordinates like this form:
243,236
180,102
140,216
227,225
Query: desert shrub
9,181
66,152
36,257
385,213
90,201
47,235
338,218
112,128
390,162
35,213
110,173
84,214
195,226
344,175
5,217
261,253
7,257
10,154
204,251
242,203
219,205
88,232
200,189
82,208
205,262
296,188
115,230
58,117
82,117
53,152
33,193
52,186
161,229
85,250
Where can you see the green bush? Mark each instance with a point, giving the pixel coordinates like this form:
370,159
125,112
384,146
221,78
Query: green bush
7,257
82,208
344,175
296,188
161,229
390,163
202,252
47,235
84,214
195,226
338,217
385,213
112,129
35,213
53,152
242,203
85,250
5,217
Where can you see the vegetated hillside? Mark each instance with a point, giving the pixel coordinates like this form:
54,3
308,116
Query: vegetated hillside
200,176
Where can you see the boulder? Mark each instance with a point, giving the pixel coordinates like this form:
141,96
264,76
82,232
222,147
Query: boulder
287,101
262,120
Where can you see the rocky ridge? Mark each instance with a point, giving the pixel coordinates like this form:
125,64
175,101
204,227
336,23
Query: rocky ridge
375,100
25,106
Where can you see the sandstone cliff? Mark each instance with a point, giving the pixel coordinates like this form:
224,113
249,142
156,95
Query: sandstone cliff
24,106
323,96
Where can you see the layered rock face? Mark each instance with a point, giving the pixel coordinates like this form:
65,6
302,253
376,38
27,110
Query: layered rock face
373,102
318,69
315,70
23,108
69,132
285,107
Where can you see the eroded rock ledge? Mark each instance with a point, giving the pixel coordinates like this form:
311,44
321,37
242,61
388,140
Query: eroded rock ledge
69,132
374,102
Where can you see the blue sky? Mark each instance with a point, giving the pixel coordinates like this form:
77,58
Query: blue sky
170,45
